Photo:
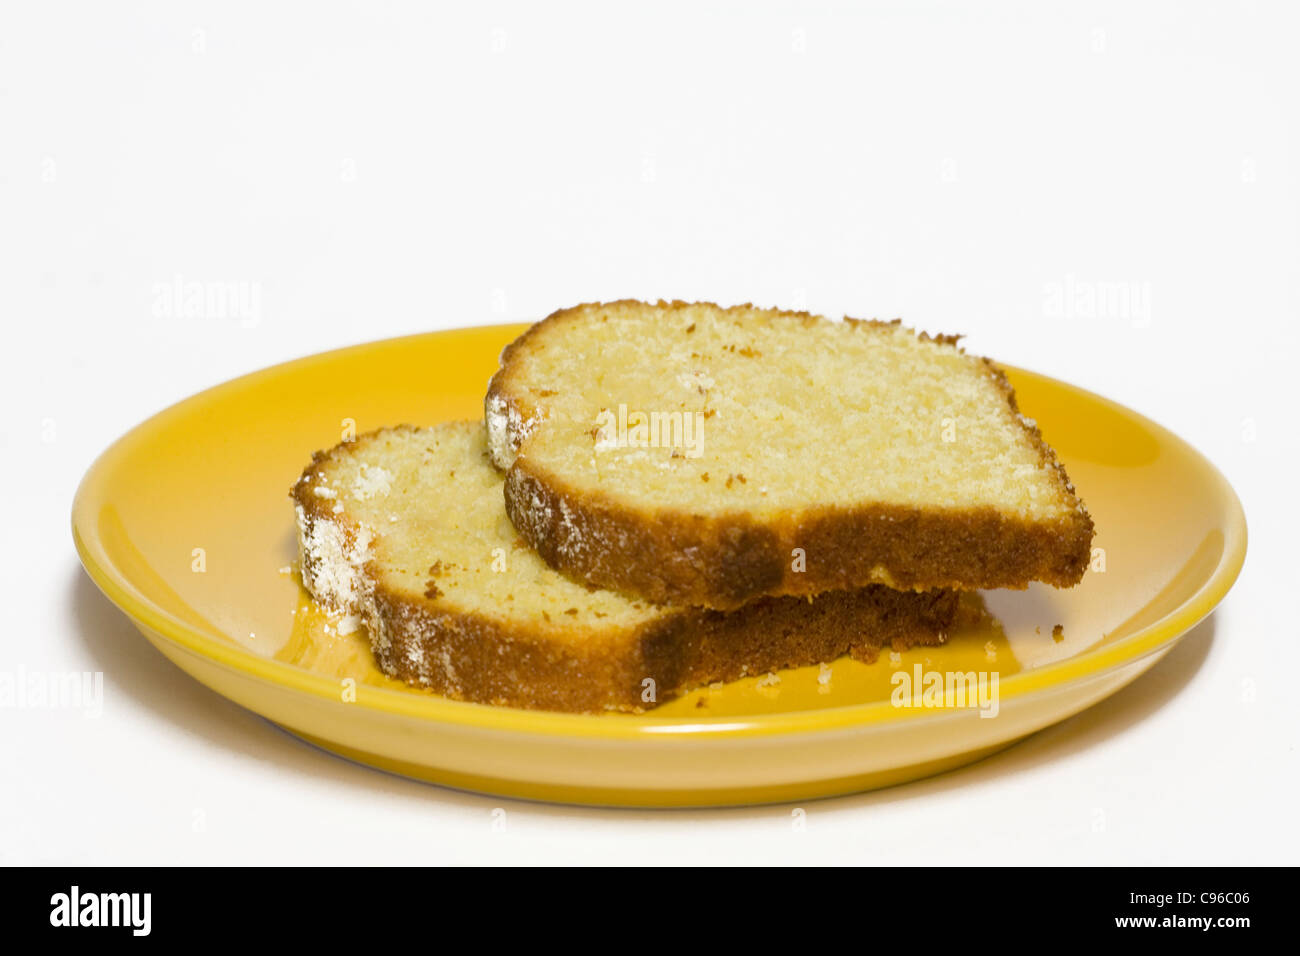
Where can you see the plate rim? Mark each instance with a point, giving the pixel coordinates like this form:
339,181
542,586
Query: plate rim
1094,663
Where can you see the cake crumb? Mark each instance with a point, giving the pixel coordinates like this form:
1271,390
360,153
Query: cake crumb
371,482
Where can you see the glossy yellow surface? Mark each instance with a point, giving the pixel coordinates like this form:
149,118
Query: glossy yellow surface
185,524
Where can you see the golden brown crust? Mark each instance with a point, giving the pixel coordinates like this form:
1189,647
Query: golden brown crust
674,557
521,664
679,652
679,558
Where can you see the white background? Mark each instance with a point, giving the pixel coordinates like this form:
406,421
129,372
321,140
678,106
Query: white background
376,169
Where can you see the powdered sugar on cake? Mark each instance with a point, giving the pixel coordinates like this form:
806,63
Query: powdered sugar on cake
507,429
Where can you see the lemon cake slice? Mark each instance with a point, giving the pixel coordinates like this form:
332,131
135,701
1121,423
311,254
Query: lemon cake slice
694,454
404,528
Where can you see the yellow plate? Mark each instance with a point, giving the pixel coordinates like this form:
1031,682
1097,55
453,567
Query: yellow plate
184,523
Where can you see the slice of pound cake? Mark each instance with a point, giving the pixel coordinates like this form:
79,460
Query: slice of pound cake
693,454
405,528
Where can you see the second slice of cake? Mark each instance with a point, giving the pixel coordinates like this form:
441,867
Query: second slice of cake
405,528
